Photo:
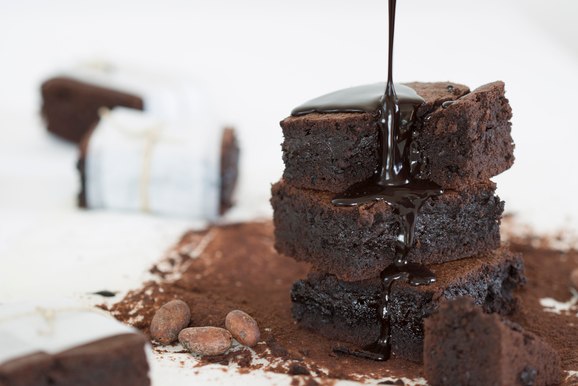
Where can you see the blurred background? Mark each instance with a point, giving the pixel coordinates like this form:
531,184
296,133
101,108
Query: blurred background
258,59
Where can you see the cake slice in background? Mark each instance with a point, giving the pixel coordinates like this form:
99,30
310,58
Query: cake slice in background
134,161
72,98
62,343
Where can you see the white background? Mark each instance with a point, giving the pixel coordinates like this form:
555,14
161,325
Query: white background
259,59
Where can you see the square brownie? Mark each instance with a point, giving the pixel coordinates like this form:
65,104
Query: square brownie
358,242
61,343
70,106
460,137
348,311
115,361
465,346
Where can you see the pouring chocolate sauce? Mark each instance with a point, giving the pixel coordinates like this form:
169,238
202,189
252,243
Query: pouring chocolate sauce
392,182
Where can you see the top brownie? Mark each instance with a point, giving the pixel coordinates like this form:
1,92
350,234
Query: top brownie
70,107
457,143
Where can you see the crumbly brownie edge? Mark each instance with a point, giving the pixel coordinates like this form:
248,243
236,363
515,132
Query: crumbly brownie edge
347,311
356,243
466,142
463,345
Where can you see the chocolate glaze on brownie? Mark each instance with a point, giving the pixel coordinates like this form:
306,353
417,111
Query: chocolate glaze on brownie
70,107
462,143
347,311
115,361
465,346
356,243
229,169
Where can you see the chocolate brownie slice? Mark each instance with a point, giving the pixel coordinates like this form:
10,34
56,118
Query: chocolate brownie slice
114,361
357,243
348,311
229,169
460,137
465,346
70,107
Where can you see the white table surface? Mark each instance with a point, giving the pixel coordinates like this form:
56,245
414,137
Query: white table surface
259,59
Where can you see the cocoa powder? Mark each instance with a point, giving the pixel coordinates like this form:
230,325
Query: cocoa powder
236,267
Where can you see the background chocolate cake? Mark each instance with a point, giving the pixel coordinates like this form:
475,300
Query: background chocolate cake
70,106
228,169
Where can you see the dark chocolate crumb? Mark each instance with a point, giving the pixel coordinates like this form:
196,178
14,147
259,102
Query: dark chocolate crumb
304,382
277,349
242,358
396,382
304,352
105,293
297,369
528,376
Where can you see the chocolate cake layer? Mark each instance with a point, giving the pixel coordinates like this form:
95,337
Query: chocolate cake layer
348,311
465,346
454,144
358,242
70,107
229,169
115,361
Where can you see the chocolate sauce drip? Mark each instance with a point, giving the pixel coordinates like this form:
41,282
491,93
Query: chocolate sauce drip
393,182
360,99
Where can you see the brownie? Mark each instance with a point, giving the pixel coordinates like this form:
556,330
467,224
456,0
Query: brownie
465,346
454,144
114,361
348,311
229,169
70,107
358,242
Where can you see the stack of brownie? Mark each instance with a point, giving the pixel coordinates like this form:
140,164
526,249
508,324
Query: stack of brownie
460,139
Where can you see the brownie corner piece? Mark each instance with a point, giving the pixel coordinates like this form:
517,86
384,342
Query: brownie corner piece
473,138
465,346
329,152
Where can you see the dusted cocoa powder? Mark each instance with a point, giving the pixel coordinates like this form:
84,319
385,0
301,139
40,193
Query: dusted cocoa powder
236,267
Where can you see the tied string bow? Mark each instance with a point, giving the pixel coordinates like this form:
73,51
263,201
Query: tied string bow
151,135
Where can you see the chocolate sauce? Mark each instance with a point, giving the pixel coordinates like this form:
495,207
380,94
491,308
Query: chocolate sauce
393,181
360,99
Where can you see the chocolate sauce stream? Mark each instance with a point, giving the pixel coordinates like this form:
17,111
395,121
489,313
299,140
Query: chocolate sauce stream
394,184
